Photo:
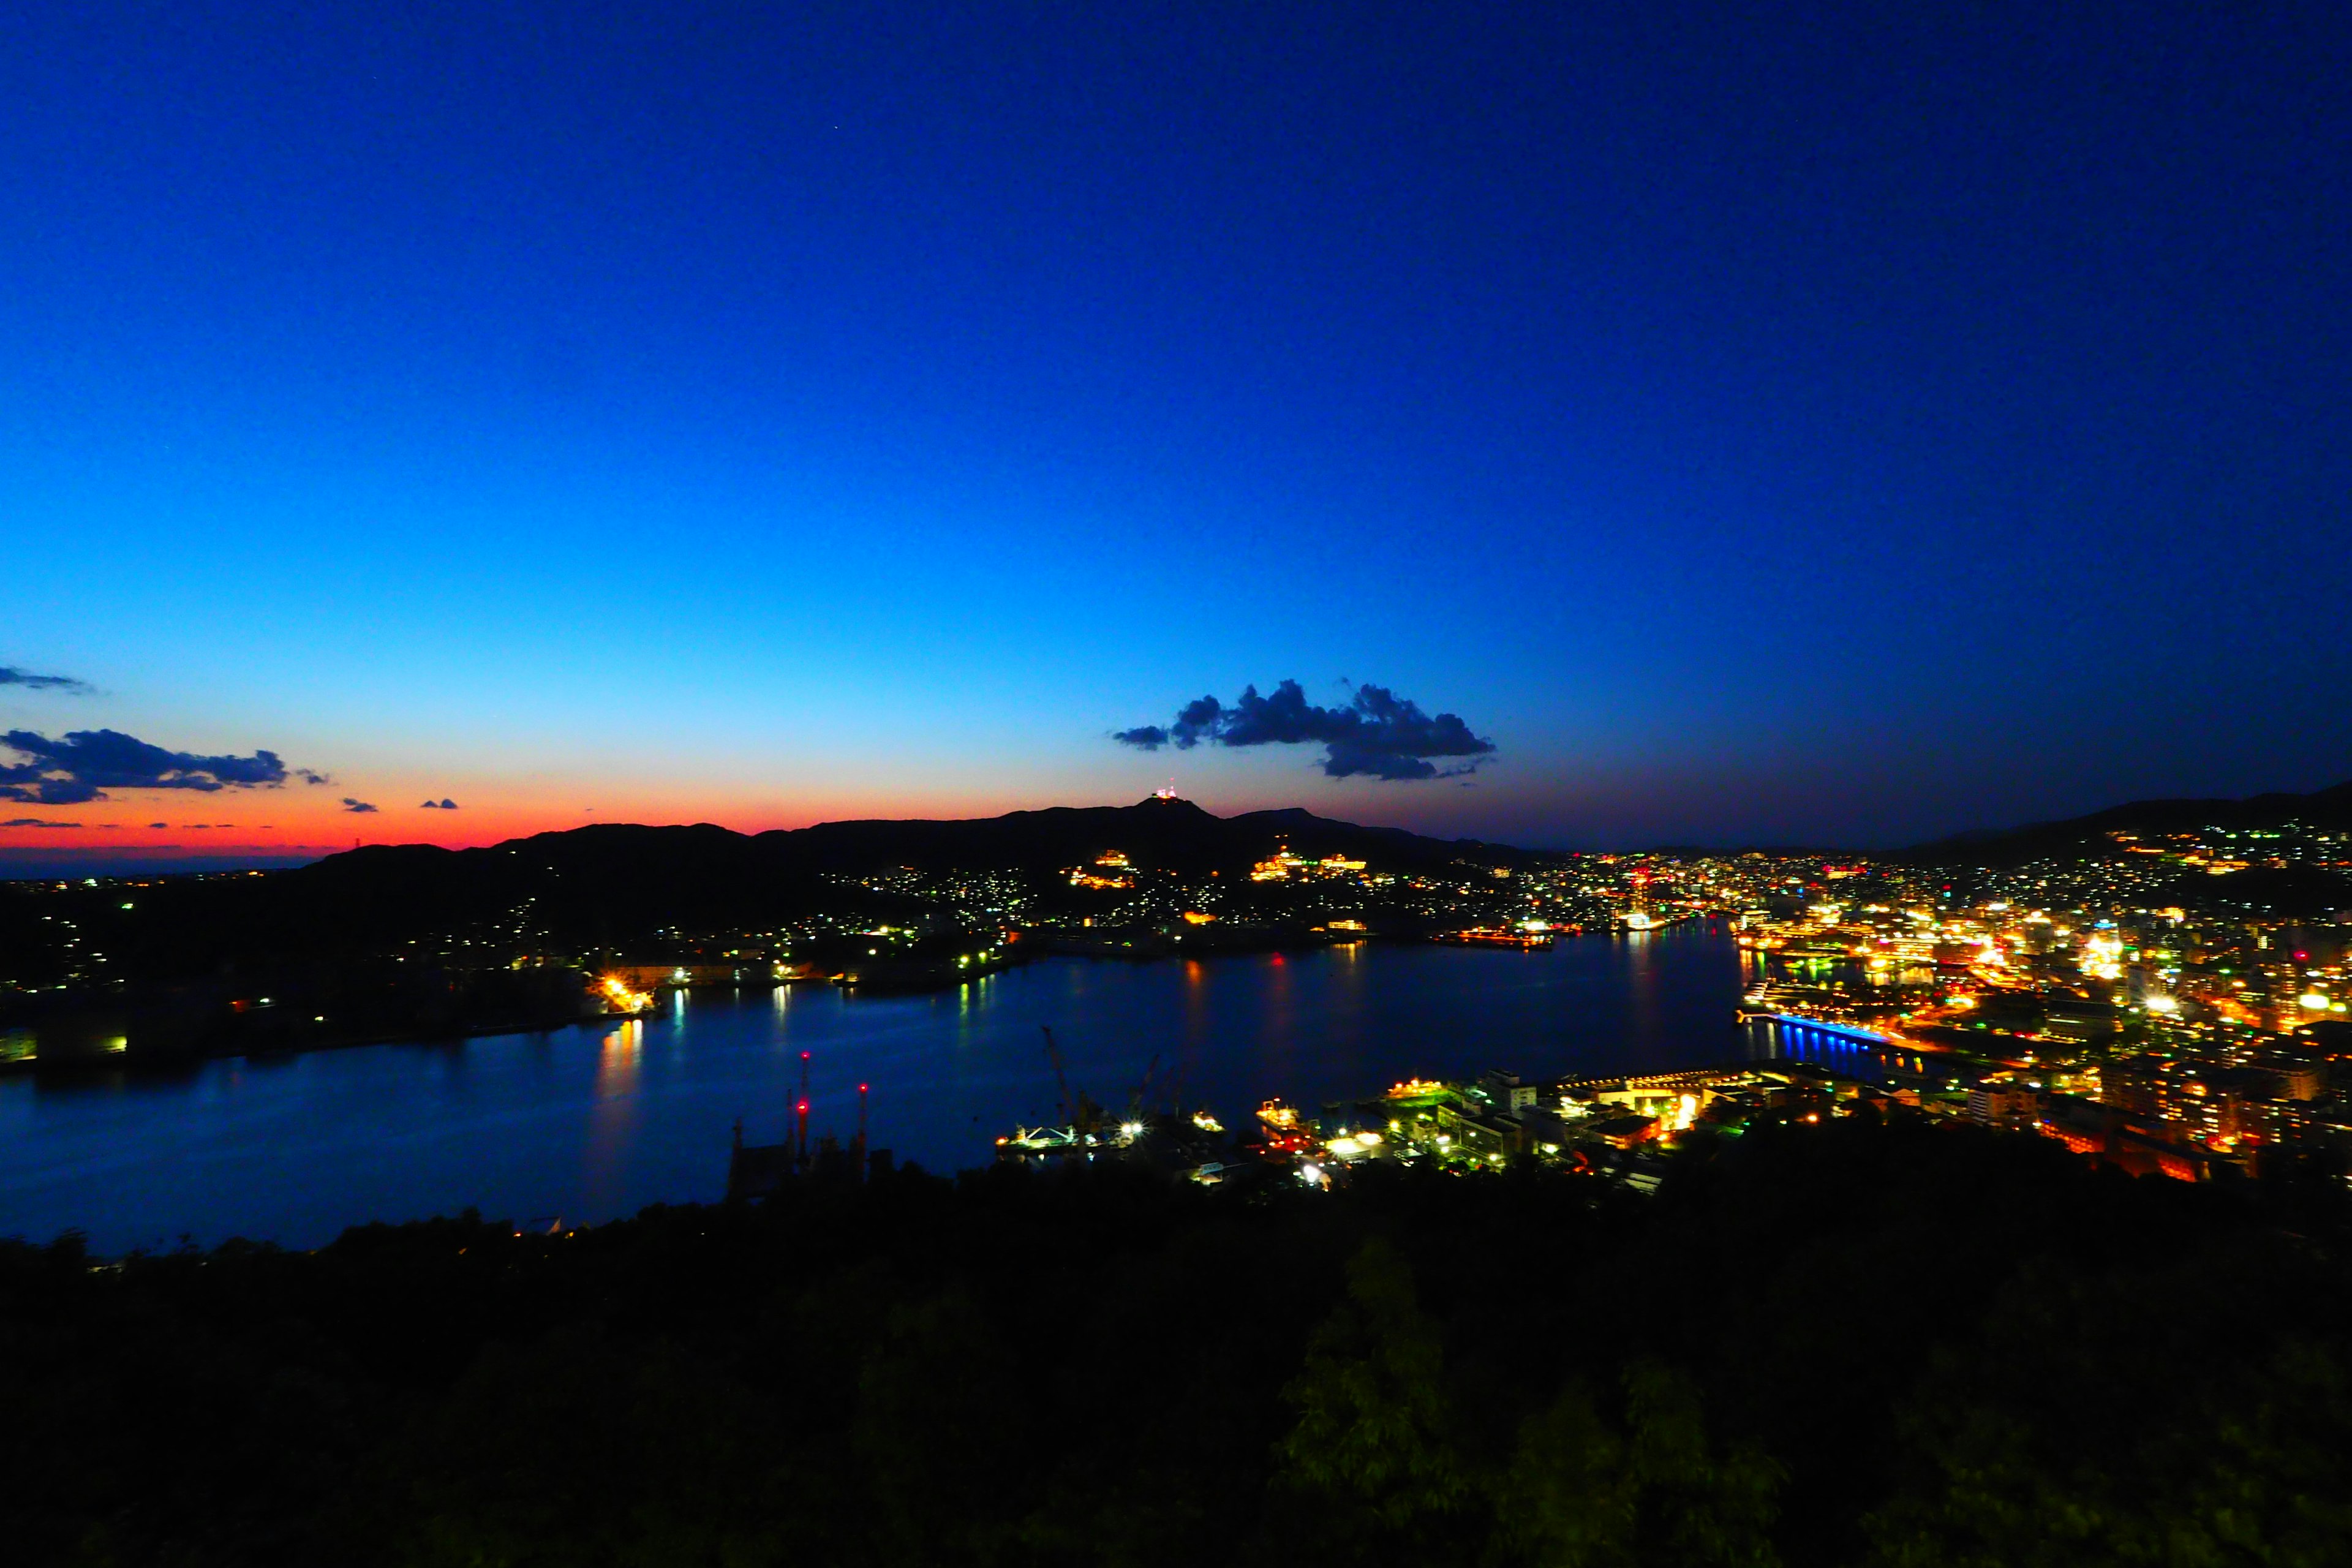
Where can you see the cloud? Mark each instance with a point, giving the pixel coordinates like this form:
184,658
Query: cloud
311,777
445,803
36,822
159,825
82,764
351,805
11,676
1378,734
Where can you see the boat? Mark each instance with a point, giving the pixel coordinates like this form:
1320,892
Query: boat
1281,1129
1495,936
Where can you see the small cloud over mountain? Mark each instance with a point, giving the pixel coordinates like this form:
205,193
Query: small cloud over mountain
443,803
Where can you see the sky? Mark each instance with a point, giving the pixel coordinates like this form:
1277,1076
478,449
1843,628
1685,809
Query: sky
1750,424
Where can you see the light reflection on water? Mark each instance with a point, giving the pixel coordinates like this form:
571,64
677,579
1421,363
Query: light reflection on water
605,1174
593,1123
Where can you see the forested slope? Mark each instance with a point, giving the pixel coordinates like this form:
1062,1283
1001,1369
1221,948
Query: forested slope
1847,1343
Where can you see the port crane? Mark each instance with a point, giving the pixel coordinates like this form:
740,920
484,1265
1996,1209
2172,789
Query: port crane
1085,1130
1082,1114
1136,1096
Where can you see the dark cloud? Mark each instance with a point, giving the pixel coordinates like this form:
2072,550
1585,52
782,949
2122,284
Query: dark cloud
159,825
310,777
443,805
36,822
82,764
1378,734
351,805
11,676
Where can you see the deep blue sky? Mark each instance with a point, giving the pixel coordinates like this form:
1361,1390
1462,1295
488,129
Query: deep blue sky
1761,423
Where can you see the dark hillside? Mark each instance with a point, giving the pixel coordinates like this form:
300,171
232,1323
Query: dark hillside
2326,810
1851,1343
619,885
1172,835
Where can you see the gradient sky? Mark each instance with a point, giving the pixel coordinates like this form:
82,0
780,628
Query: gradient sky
1764,423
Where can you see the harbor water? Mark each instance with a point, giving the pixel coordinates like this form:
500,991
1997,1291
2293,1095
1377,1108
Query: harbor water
591,1124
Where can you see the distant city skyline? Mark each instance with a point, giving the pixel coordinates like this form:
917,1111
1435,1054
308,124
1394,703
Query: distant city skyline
1787,427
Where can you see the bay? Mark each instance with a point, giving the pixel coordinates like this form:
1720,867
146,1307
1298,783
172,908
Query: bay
591,1124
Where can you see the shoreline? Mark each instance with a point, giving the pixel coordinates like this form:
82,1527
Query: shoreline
164,1066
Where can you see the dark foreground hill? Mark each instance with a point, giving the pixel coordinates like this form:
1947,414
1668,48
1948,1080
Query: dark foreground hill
1851,1343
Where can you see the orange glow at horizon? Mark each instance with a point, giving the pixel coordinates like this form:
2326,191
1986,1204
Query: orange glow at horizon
315,821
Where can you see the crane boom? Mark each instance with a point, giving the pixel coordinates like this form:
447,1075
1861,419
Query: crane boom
1135,1097
1061,1078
